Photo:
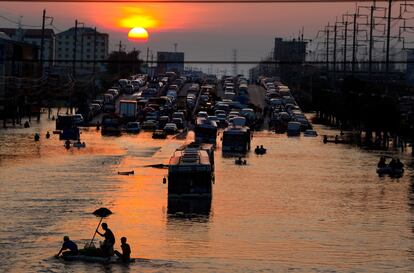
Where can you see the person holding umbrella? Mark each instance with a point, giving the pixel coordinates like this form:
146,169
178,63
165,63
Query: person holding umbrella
107,246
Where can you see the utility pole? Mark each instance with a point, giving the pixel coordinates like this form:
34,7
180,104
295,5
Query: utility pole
119,57
327,50
334,53
74,50
345,45
74,64
82,34
235,62
354,44
42,42
94,59
371,41
94,51
387,58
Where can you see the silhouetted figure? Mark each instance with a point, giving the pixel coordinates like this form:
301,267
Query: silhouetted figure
53,117
336,139
382,163
257,150
70,246
47,134
67,144
325,139
26,124
392,164
36,137
399,165
107,246
125,256
239,161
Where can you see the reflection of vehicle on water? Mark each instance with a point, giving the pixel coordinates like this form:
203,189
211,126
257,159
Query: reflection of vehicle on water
191,171
205,131
189,206
236,139
111,125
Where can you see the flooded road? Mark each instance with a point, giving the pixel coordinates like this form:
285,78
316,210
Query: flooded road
302,207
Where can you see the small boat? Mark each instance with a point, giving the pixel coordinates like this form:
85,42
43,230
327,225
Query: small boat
97,259
126,173
390,171
260,151
240,162
79,145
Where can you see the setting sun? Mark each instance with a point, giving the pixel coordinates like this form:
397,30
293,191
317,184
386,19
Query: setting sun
138,34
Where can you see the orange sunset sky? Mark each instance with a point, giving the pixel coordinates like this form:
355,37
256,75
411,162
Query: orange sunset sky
202,31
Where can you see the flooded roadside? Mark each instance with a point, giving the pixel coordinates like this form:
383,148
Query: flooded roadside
304,206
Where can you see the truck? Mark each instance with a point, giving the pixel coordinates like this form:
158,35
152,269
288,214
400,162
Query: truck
128,109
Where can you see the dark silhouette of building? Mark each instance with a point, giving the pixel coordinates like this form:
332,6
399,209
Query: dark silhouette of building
289,57
170,61
19,69
34,37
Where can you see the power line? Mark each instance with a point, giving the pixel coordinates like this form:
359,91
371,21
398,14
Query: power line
195,1
15,22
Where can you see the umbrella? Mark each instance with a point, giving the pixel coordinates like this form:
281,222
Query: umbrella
102,213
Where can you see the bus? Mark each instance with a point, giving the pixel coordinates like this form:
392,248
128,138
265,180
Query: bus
191,171
236,140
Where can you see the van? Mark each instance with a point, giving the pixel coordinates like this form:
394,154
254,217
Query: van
293,128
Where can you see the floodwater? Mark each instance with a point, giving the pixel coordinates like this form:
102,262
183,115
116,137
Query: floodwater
302,207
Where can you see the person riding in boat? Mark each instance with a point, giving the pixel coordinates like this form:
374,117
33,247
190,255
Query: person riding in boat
392,164
125,256
257,150
70,246
399,165
107,246
262,150
67,144
47,134
382,163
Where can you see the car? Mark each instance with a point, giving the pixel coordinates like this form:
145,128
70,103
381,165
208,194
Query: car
77,119
133,127
170,128
213,118
163,120
179,122
159,134
310,133
202,114
178,114
149,125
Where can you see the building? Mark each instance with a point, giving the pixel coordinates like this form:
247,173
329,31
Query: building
34,37
410,67
19,71
170,61
290,57
88,48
